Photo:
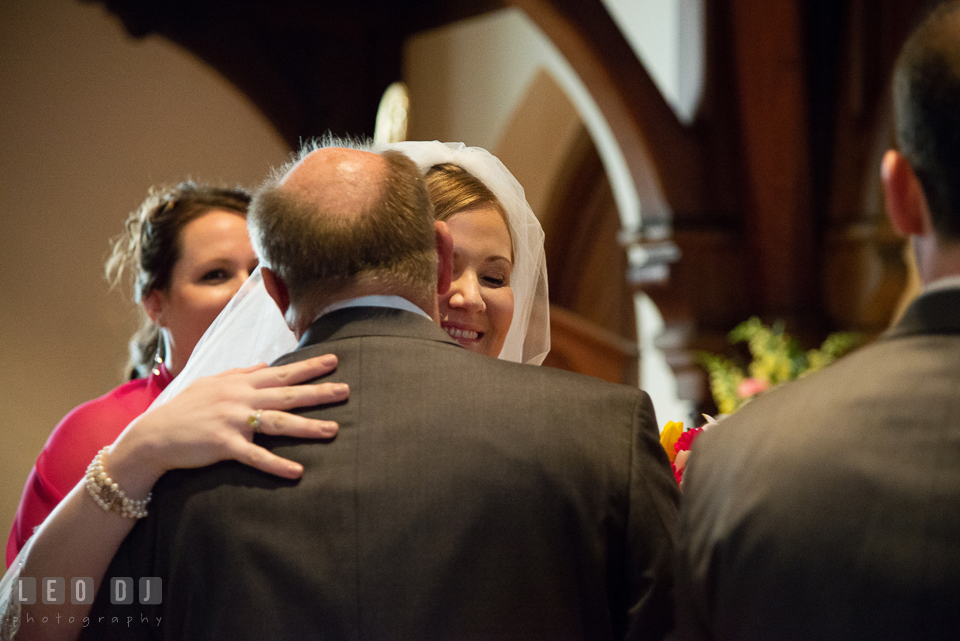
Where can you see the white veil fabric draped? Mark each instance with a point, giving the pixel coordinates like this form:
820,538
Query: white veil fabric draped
251,330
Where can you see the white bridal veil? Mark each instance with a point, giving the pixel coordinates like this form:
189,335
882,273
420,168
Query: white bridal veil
528,340
251,330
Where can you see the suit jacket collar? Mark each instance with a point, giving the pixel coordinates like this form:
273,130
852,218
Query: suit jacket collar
936,312
372,321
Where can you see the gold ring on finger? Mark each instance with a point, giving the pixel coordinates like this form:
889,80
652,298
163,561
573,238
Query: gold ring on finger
254,421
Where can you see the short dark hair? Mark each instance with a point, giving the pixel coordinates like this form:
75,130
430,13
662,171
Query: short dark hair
392,241
149,248
926,92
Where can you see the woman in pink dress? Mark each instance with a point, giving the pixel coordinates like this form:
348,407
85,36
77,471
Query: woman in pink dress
187,251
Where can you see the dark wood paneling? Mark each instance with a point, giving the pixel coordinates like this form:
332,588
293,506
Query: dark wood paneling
586,264
577,345
772,100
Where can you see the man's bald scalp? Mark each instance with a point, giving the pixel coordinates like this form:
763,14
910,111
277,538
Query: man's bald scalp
340,218
338,181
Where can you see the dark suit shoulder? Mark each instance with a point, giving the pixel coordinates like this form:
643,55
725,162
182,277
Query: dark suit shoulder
893,377
840,482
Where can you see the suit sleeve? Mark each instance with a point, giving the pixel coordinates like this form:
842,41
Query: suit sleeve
695,553
651,520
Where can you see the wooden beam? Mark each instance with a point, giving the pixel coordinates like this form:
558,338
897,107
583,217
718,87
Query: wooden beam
772,98
664,158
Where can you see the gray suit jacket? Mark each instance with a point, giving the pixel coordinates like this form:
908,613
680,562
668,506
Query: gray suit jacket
830,508
464,497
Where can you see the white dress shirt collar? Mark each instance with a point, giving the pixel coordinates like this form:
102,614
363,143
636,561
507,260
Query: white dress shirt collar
947,282
396,302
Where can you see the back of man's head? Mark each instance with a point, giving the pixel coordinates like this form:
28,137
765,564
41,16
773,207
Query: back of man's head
345,222
926,91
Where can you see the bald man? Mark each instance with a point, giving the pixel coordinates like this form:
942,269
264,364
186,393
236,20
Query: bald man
830,508
464,497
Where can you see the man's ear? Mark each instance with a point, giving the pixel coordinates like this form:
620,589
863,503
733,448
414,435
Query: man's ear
277,289
905,202
153,304
445,256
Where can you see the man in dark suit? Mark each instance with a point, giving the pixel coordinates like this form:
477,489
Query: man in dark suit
830,508
463,497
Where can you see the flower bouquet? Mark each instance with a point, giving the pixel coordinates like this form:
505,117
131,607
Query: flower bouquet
776,358
678,442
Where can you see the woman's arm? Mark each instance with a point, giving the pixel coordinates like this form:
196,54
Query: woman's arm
208,422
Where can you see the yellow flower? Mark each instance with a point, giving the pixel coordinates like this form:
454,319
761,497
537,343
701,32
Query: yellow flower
669,436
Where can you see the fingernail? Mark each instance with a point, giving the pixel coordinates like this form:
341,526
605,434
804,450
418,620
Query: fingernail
341,388
328,360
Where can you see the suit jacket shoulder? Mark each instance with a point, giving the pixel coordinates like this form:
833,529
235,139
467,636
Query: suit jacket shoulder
810,512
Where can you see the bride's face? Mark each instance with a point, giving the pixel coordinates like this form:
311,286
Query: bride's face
478,308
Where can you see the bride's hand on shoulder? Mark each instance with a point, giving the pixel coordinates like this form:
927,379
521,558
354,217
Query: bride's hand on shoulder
215,417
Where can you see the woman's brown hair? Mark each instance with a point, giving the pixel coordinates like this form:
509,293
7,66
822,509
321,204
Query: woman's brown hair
147,251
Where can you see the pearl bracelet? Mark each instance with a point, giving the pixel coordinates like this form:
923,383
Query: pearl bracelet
108,494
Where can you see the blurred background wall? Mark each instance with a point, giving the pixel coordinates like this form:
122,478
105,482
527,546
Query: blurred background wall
89,119
693,162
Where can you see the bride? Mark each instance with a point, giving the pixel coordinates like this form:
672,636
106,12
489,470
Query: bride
497,305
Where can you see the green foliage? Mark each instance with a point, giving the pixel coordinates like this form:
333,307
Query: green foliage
835,346
725,377
776,358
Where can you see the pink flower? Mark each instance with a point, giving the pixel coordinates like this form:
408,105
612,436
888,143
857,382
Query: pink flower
682,446
750,386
